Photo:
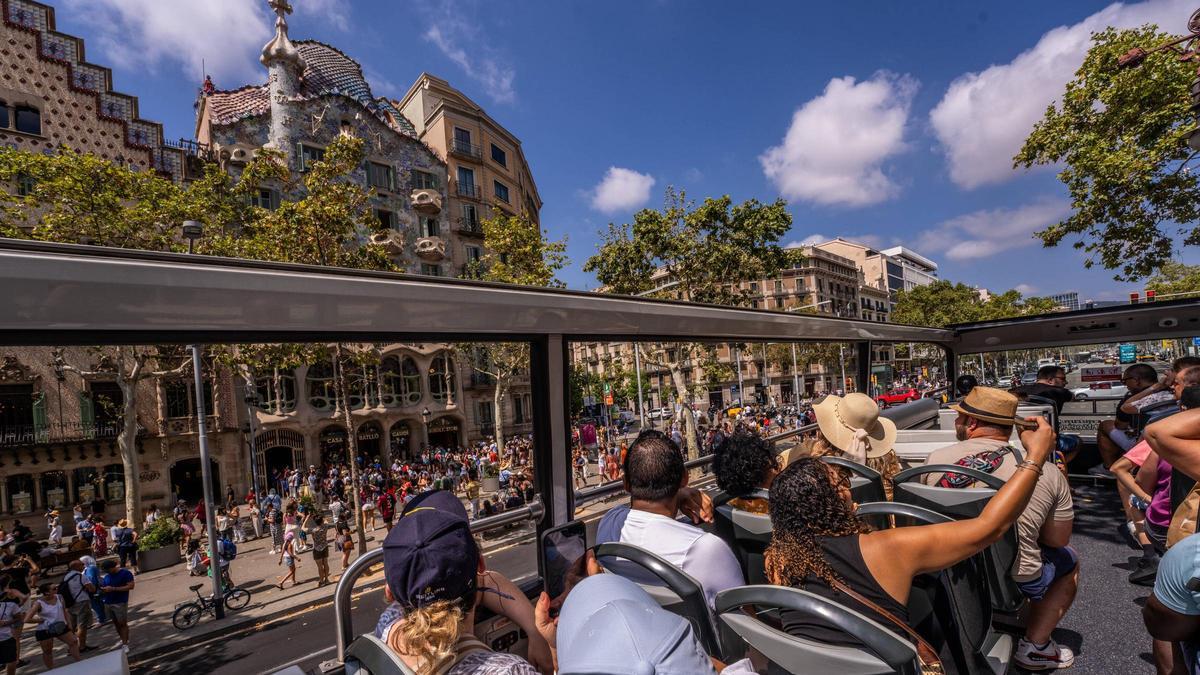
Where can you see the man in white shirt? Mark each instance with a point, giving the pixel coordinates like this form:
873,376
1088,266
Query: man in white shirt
656,480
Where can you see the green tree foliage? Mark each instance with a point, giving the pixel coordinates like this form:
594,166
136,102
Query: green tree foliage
1120,135
519,252
697,252
943,303
1175,277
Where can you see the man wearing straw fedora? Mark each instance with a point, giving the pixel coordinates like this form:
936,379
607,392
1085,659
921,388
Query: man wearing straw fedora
1047,568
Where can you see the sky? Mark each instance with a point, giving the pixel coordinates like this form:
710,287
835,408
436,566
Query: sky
888,123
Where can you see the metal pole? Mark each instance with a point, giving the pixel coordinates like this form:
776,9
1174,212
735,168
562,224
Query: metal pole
982,369
795,380
741,387
214,562
637,364
253,451
842,361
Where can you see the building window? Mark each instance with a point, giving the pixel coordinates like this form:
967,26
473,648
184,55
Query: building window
107,401
431,269
474,254
462,136
520,409
28,120
4,121
276,392
387,219
25,185
265,198
441,379
466,183
180,398
470,218
322,389
754,287
309,154
485,415
381,176
430,227
423,180
499,156
400,381
501,191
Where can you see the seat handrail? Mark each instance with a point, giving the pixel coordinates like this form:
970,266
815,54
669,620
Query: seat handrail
860,470
986,478
367,559
913,511
884,643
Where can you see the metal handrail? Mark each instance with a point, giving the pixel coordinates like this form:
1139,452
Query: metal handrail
345,586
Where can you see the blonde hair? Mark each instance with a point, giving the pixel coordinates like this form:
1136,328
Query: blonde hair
429,633
888,465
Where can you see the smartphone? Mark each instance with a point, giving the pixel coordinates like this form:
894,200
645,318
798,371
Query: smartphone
564,549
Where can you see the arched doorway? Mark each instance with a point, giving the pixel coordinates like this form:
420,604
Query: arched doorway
277,459
332,442
444,433
399,438
369,439
186,481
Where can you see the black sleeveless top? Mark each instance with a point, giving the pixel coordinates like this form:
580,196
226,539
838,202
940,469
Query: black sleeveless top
844,555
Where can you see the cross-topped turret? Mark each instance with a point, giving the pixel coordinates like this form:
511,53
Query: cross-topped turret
280,49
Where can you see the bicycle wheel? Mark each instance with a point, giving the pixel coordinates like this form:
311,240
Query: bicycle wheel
237,598
187,616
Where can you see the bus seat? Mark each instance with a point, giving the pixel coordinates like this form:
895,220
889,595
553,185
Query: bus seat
1160,411
866,484
678,592
368,655
885,651
957,597
961,503
748,534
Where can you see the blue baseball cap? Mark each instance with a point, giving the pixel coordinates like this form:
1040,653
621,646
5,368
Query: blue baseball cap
429,554
610,626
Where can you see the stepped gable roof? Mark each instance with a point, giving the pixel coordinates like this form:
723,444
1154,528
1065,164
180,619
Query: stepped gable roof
328,71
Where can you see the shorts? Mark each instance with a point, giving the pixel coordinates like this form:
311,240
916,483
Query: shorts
368,507
8,651
1056,564
81,613
117,612
288,562
321,554
1122,439
43,635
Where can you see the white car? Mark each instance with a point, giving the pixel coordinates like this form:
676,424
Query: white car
1100,390
655,413
667,412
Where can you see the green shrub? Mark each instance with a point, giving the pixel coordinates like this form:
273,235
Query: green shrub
164,532
309,503
491,470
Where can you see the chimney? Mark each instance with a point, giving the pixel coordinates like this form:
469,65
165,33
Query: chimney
284,65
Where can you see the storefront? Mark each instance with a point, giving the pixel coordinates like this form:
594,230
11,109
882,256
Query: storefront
332,443
186,481
399,440
369,438
444,432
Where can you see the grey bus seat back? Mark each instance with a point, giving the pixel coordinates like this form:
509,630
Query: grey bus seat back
368,655
866,484
748,534
961,503
885,651
691,603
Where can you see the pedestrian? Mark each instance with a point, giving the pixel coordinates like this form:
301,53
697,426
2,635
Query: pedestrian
51,614
315,523
368,511
91,572
344,543
287,558
197,564
235,518
99,536
337,509
125,539
275,523
256,516
151,515
387,509
78,592
55,526
201,514
115,587
12,613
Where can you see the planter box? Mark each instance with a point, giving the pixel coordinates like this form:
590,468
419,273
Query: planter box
158,558
490,484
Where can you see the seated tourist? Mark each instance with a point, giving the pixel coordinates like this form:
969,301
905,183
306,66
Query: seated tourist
820,545
610,625
1116,436
851,427
435,574
1046,569
656,480
1172,612
1050,384
744,462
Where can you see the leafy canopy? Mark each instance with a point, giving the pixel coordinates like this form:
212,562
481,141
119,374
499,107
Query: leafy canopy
1120,135
1175,277
943,303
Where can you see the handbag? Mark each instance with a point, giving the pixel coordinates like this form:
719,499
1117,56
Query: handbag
1183,521
57,628
931,664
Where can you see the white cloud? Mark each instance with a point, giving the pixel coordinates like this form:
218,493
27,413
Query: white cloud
487,69
226,35
334,12
622,190
810,240
834,150
1026,289
981,234
984,117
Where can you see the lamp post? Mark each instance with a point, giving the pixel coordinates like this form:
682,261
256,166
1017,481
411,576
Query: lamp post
60,367
425,415
193,230
637,364
251,400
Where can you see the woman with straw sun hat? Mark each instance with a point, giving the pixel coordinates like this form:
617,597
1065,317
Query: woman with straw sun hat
850,426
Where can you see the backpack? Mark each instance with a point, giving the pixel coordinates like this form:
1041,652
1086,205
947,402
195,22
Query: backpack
987,461
64,590
228,550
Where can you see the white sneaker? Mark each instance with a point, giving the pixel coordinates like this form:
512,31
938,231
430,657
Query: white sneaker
1052,657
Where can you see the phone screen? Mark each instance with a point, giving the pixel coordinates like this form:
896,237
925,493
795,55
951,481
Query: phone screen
563,549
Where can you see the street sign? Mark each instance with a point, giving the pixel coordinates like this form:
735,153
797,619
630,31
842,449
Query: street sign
1128,353
1100,373
608,399
1196,342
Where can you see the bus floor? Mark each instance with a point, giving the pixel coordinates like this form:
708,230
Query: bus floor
1104,627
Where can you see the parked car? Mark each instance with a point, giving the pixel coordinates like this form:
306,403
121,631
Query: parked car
667,412
1100,390
897,397
655,413
1029,378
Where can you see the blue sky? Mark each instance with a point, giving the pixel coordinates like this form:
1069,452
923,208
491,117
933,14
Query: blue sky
891,122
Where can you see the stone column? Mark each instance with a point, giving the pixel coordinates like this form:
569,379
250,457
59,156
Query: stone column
37,492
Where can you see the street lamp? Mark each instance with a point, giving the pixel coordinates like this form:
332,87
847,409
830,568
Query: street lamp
251,399
192,230
425,415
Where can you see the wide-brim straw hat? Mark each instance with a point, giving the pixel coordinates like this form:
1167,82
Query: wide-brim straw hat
840,418
992,405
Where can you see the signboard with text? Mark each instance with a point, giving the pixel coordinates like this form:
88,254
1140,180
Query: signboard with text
1128,353
1100,373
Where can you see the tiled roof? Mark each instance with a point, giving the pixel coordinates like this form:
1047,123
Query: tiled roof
327,71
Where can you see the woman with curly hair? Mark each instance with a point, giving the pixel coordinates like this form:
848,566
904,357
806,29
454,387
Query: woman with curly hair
821,546
745,462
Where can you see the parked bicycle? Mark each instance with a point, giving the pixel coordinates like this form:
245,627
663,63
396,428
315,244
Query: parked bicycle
188,614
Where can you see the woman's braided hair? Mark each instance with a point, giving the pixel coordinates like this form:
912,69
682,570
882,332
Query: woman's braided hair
806,504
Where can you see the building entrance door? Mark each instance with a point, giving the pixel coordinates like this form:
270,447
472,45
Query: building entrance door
186,480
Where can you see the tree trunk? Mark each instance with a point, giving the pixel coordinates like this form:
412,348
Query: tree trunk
127,446
690,435
498,415
343,389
